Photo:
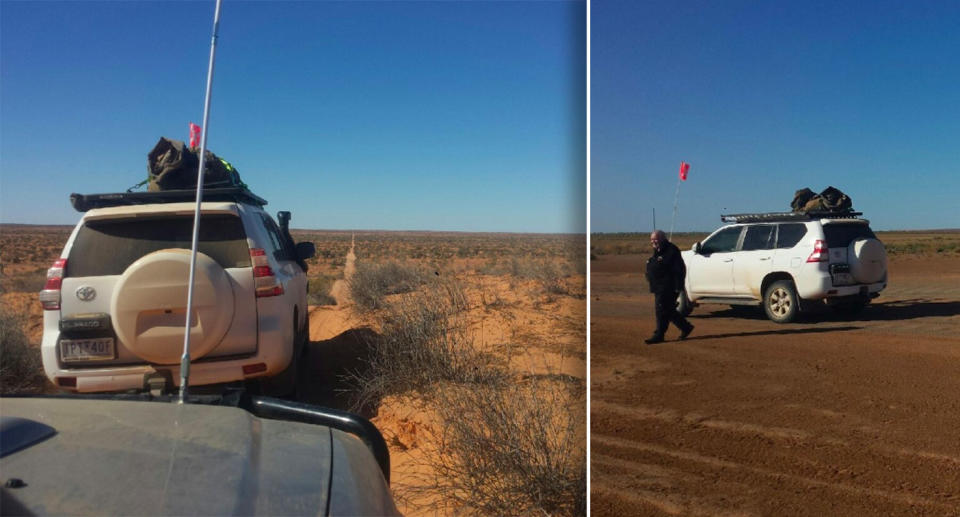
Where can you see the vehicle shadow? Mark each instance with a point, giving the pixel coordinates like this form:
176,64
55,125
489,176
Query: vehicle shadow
779,332
322,379
905,310
883,311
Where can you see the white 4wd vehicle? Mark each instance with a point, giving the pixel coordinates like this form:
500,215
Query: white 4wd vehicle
115,302
782,260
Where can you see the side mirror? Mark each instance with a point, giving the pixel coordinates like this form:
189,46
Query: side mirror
306,250
696,248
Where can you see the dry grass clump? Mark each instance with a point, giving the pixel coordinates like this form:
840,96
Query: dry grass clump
504,444
318,290
546,272
21,370
510,449
422,343
371,283
29,282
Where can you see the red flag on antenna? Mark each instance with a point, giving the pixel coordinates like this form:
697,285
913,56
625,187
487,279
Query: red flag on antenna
684,167
194,135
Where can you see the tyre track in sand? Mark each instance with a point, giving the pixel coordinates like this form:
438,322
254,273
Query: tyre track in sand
328,321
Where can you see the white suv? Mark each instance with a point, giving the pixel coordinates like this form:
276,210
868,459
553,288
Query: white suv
115,301
783,260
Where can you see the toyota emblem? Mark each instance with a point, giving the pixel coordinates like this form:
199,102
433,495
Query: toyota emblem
86,293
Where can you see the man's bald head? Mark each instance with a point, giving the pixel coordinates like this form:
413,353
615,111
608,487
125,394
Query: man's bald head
657,238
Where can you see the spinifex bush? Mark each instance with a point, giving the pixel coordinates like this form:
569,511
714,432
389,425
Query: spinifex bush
21,370
423,342
371,283
318,292
545,271
510,449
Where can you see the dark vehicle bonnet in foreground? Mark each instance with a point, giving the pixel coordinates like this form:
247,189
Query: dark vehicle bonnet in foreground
104,456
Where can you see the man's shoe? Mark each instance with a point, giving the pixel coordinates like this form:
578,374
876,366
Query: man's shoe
685,333
652,340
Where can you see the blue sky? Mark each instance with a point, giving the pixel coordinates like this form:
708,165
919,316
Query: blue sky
465,116
765,98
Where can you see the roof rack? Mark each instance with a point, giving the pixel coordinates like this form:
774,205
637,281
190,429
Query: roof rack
789,216
84,202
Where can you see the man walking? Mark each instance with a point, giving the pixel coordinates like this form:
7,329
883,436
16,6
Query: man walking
666,272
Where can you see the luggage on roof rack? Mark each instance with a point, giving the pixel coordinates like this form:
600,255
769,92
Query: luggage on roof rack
789,216
84,202
172,165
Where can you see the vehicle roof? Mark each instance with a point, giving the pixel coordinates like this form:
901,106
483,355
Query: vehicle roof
84,202
113,457
161,208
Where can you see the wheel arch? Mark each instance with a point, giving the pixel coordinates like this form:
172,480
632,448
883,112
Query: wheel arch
774,277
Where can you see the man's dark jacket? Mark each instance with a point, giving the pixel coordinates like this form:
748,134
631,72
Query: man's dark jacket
666,270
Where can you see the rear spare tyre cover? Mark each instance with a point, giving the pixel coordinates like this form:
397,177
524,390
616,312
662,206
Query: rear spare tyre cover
149,304
868,260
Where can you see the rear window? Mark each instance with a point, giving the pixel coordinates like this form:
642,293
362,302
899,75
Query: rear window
840,235
109,247
759,237
790,234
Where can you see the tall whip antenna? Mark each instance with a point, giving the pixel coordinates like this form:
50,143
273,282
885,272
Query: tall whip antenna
185,359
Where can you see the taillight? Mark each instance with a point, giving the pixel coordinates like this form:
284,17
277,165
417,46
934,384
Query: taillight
819,252
264,281
250,369
67,382
50,296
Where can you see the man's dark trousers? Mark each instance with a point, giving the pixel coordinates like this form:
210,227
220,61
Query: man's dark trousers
666,309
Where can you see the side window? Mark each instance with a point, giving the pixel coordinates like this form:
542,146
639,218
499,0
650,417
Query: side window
759,237
280,251
790,234
722,241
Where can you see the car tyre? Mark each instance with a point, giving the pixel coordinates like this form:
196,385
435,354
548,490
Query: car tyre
780,302
684,305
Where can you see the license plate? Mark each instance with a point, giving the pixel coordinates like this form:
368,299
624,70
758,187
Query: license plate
94,349
843,279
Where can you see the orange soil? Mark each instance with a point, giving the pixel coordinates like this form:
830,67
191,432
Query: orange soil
821,417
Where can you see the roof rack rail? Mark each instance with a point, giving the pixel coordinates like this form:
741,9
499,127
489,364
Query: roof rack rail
789,216
84,202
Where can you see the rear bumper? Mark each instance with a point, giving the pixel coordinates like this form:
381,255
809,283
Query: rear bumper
274,354
823,288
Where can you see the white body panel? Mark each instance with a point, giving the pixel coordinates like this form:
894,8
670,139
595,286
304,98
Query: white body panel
261,330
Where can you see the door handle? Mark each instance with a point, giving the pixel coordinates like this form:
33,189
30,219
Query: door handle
728,260
765,258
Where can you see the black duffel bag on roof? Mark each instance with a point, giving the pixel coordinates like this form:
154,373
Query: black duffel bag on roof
172,165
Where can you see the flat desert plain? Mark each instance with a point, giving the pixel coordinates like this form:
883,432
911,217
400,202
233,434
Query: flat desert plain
826,416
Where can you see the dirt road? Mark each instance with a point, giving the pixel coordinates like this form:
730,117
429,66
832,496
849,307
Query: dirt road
747,417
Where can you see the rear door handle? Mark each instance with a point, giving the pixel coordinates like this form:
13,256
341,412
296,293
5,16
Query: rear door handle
728,260
765,258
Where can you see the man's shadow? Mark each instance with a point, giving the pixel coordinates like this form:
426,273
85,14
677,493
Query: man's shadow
778,332
325,371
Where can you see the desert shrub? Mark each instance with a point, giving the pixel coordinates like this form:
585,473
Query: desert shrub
510,449
318,291
21,370
370,283
494,267
26,282
423,342
545,272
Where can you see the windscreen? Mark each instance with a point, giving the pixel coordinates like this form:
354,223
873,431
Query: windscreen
840,235
108,247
